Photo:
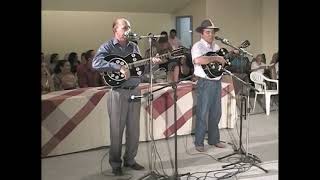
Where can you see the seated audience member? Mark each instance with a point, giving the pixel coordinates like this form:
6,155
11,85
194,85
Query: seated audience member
46,80
163,44
267,71
87,76
258,65
171,65
264,59
53,62
158,73
154,45
183,67
74,67
74,61
275,66
186,67
83,58
63,78
174,40
261,67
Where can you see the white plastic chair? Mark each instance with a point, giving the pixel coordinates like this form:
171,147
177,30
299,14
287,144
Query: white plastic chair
260,84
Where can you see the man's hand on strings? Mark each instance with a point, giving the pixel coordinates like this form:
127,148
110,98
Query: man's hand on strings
125,70
218,59
235,51
156,59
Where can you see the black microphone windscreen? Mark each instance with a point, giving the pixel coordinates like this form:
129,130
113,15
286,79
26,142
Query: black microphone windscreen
218,38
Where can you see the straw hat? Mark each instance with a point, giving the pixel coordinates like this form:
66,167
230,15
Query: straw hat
207,24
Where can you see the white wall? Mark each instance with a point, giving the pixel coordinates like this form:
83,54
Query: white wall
253,20
270,30
196,9
238,21
67,31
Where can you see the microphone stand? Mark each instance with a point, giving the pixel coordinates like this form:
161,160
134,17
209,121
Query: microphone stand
134,36
226,42
176,175
245,156
152,174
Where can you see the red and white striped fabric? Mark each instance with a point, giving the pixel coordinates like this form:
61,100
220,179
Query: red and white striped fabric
76,120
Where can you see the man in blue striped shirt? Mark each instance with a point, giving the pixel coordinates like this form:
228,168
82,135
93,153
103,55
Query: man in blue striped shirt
122,111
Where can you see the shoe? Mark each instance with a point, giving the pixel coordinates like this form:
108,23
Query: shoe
117,171
220,145
134,166
200,148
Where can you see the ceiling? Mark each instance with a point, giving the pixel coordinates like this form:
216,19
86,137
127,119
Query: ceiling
152,6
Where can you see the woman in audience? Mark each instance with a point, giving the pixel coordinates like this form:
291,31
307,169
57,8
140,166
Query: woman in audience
63,78
46,80
74,62
258,64
53,61
83,59
186,66
275,66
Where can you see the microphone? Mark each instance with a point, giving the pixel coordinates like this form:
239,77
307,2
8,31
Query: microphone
130,35
221,39
245,44
150,35
132,97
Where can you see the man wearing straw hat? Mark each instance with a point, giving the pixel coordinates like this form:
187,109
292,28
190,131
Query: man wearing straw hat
208,89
